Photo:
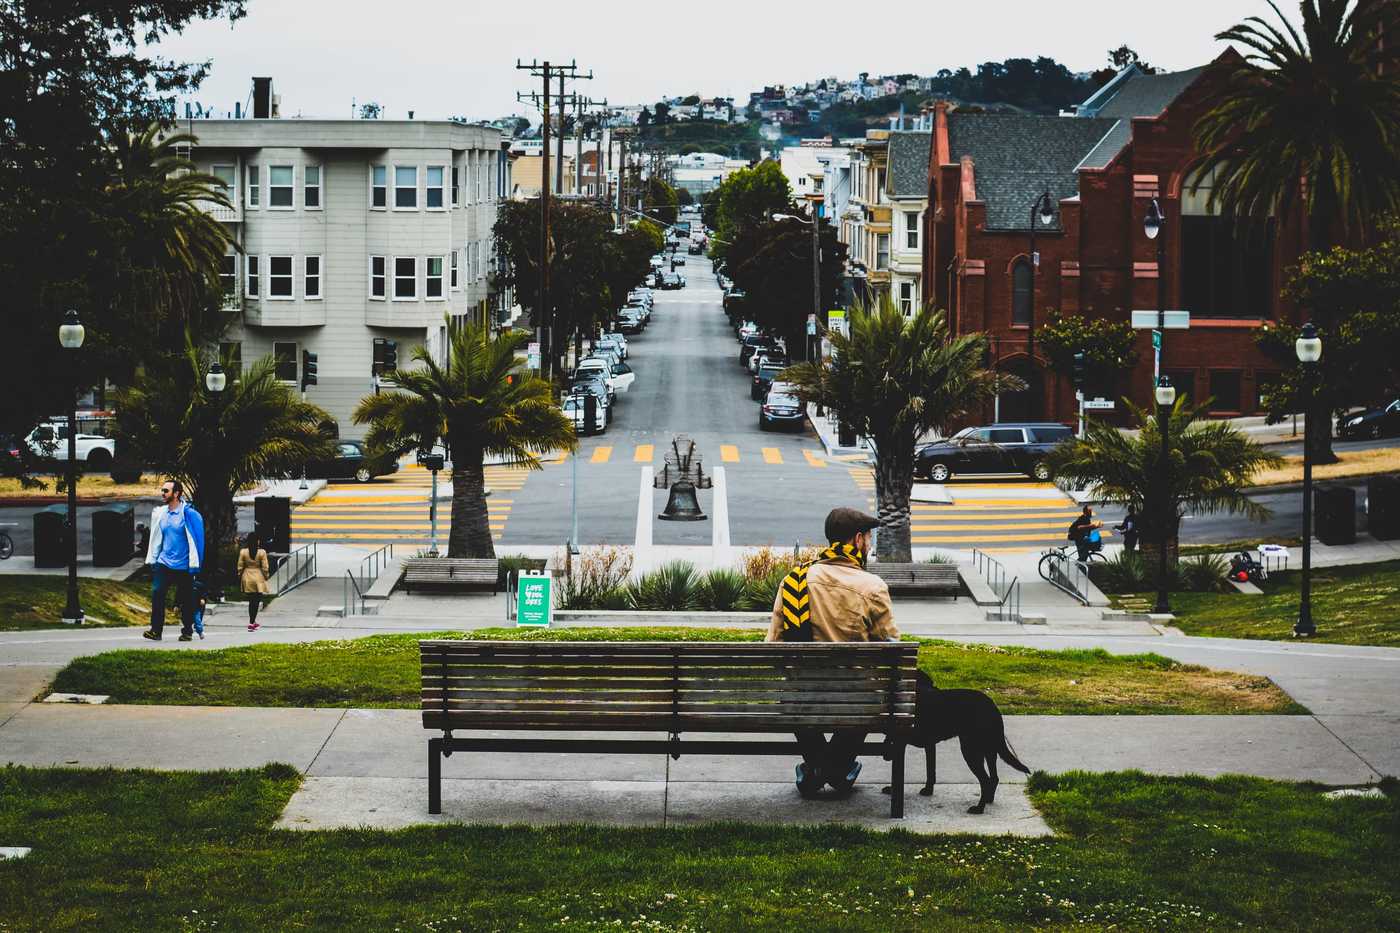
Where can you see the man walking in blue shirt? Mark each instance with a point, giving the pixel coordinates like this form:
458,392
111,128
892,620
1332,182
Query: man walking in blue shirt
173,554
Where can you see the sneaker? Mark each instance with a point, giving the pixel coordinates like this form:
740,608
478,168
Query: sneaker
201,636
809,781
844,784
186,638
151,635
254,626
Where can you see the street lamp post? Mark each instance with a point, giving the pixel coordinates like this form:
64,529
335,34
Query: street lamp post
70,337
816,265
1309,349
214,381
1166,397
1043,208
1152,225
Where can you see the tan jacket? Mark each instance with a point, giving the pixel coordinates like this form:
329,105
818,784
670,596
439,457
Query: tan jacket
252,574
847,604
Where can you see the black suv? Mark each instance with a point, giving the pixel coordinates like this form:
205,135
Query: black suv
998,448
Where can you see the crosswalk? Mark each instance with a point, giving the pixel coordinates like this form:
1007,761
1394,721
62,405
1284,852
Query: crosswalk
728,453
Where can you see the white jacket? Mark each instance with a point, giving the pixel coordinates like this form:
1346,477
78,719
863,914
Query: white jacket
153,546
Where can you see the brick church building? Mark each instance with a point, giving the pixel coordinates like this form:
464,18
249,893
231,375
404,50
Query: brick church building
1101,167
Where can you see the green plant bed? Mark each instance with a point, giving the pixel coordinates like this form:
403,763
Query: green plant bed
1231,547
1355,605
383,671
141,850
36,601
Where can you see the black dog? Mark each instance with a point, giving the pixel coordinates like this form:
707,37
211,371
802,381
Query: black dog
975,720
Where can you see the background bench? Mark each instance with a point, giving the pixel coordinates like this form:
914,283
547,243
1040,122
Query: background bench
929,579
450,572
664,687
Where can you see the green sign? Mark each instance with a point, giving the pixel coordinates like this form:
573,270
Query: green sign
1156,340
532,600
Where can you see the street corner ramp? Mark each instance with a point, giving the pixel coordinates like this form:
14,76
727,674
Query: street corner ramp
397,803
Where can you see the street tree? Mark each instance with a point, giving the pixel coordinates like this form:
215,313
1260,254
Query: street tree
747,199
483,404
894,379
1109,348
217,444
1207,470
772,262
661,200
1306,125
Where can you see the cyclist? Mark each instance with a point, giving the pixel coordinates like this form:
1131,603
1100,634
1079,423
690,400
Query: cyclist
1085,533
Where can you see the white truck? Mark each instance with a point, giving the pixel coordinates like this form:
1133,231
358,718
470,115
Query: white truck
50,440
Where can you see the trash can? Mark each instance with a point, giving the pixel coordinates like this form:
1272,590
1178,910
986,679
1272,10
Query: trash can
1334,513
272,518
113,534
51,536
1383,507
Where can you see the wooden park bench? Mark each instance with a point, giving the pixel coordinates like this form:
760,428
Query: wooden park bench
445,572
923,579
670,688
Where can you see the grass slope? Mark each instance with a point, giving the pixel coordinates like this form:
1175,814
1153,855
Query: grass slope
137,850
383,671
36,601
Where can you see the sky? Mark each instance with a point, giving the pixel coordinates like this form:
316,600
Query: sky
442,58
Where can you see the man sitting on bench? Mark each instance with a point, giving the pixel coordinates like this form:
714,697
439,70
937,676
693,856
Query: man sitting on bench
833,598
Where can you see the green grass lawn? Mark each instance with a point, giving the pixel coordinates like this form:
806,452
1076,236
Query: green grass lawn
127,850
383,671
1356,605
36,601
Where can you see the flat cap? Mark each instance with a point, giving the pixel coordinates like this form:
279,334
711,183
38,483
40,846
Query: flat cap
842,523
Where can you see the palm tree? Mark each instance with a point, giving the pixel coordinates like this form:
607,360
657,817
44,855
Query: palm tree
894,379
480,404
1208,468
1307,123
218,443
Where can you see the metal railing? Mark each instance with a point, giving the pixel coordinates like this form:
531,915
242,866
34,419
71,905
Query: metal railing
1066,574
359,583
351,585
1009,592
1009,609
294,569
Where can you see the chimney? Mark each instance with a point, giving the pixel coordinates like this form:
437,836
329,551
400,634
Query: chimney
410,114
262,98
237,110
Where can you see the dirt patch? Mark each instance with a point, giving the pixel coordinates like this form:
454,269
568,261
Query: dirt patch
1352,463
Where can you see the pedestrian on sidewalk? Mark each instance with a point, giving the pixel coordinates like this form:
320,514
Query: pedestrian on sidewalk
1085,533
199,592
1128,527
252,576
833,598
173,554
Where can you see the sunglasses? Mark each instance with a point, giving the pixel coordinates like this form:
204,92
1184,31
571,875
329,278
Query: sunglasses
167,492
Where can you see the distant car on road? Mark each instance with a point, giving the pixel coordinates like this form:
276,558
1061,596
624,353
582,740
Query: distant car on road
575,408
755,343
670,280
996,448
695,249
50,441
780,410
763,378
1373,422
352,461
615,341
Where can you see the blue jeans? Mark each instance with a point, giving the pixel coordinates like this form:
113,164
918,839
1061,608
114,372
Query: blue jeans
162,579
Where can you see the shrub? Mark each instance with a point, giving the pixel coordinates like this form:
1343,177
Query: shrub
939,558
596,578
720,590
516,563
760,591
1126,572
126,470
1204,573
760,564
670,587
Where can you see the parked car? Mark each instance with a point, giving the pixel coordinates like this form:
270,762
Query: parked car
677,260
616,341
630,323
352,460
11,456
763,379
754,343
617,371
997,448
671,281
780,410
595,383
575,408
616,380
695,249
50,441
771,357
1373,422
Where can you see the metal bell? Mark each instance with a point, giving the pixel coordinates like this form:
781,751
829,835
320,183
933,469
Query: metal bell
682,505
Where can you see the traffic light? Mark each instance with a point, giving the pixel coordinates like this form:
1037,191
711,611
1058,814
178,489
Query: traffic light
308,369
1080,371
391,356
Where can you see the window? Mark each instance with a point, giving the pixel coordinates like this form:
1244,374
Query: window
1022,285
279,276
228,274
906,298
1225,390
1049,435
1183,380
454,269
279,186
405,278
377,367
254,186
432,285
432,194
911,231
286,356
376,277
251,263
405,187
879,184
312,282
379,191
455,187
311,187
882,251
1006,436
228,180
232,356
1225,266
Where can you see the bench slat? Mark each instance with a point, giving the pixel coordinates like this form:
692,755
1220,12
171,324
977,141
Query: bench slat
433,694
687,722
865,707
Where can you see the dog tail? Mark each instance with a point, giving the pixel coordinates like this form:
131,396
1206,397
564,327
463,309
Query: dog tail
1008,756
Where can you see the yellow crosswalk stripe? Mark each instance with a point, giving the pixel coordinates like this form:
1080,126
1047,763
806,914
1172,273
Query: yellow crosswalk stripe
601,455
813,459
643,453
728,453
998,526
993,505
951,539
772,455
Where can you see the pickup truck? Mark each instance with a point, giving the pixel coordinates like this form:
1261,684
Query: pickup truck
50,440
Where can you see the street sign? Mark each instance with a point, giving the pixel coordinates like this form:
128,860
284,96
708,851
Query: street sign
1098,404
533,349
811,325
1156,340
836,320
532,599
1172,320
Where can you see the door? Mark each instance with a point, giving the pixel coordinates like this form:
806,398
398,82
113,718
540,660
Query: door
1008,453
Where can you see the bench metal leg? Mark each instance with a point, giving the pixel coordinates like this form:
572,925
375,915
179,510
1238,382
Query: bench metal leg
897,782
435,775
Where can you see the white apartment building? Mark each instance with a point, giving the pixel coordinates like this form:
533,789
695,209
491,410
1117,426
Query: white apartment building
906,182
353,233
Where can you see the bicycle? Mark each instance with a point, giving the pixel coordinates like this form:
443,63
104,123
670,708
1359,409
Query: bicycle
7,544
1061,553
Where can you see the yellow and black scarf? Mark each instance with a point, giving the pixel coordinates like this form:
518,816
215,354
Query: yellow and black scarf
797,602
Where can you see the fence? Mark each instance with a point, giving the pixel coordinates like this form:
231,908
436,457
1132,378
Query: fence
1009,592
356,585
293,569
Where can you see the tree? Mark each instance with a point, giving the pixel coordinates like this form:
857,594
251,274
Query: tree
684,197
747,199
644,118
1307,125
661,200
772,263
894,379
218,444
371,111
1208,468
481,405
77,77
1119,59
663,112
692,100
1109,347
